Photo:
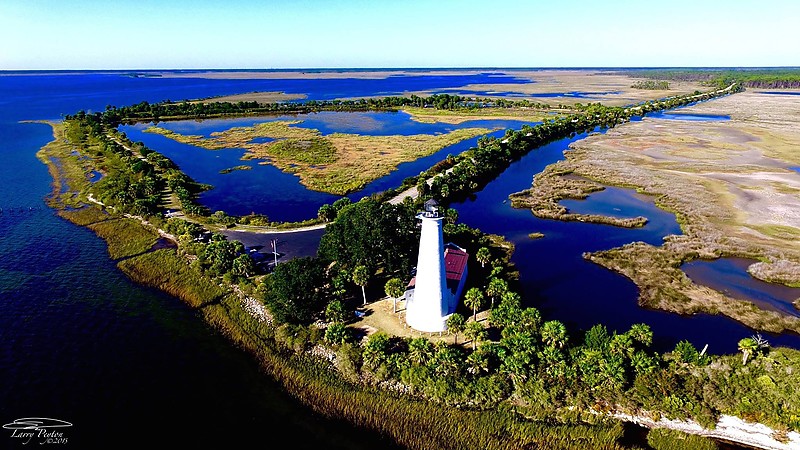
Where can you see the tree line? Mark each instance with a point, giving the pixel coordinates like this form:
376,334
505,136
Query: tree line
761,78
169,110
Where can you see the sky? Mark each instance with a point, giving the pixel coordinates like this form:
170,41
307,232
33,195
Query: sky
267,34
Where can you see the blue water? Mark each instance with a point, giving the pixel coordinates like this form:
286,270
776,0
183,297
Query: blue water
729,276
780,92
278,195
624,203
370,123
688,116
512,94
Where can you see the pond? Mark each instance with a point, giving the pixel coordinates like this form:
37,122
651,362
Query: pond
730,276
625,203
695,117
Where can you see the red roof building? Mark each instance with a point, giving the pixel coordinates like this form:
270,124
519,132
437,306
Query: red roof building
455,266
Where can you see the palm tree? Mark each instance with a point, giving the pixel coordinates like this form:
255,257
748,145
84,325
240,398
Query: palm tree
554,334
483,256
475,331
456,323
529,319
361,277
747,346
473,299
496,288
420,351
478,362
508,311
641,333
394,288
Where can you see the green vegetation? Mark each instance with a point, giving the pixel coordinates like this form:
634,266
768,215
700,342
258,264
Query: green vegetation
124,237
663,439
155,112
166,270
656,85
231,169
767,78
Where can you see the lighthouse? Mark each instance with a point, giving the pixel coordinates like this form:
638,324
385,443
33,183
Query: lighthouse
434,291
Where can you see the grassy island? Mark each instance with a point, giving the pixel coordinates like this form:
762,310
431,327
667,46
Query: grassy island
337,163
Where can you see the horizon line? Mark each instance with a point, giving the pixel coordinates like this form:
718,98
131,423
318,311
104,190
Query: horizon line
346,69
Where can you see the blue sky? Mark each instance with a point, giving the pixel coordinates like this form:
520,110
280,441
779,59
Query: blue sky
142,34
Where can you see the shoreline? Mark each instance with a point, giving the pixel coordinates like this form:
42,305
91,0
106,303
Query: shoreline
728,428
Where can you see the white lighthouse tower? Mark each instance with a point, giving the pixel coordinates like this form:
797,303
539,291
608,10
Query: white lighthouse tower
428,304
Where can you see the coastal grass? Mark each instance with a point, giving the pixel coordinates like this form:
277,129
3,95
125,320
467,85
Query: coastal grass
68,168
433,115
86,215
168,271
337,163
665,439
234,168
124,237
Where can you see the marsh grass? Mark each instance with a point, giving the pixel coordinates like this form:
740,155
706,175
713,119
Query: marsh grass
664,439
124,237
86,215
168,271
234,168
703,205
550,186
431,115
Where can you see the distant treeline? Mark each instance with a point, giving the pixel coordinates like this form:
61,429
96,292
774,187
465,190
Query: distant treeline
169,110
651,84
753,78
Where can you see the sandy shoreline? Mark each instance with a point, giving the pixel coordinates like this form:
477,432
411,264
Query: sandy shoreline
728,428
